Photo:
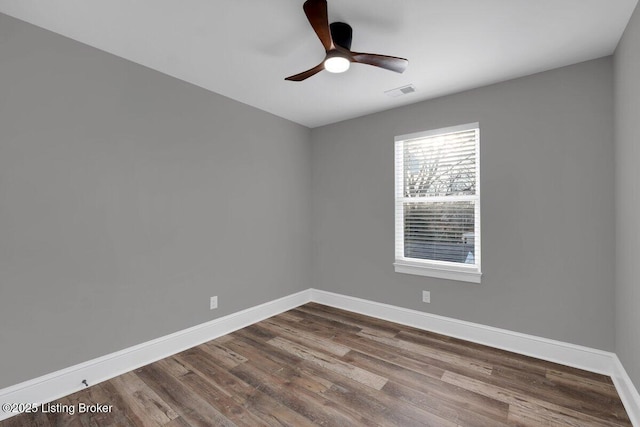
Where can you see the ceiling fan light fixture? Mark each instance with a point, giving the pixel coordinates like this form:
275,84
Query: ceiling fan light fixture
336,64
336,40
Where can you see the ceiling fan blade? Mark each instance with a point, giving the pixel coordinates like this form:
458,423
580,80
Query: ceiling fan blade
316,11
392,63
306,74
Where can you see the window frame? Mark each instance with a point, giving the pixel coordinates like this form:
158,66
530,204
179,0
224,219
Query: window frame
434,268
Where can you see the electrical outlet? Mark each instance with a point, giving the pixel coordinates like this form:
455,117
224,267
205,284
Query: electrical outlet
426,296
213,303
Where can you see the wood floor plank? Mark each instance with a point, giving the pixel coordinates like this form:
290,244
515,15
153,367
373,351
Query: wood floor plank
140,401
317,365
444,398
443,410
222,355
349,319
90,396
327,362
572,380
496,356
572,396
487,355
305,338
310,321
311,406
262,408
530,404
275,366
445,356
347,393
384,408
130,409
178,422
221,400
225,401
420,362
532,415
302,374
193,408
283,363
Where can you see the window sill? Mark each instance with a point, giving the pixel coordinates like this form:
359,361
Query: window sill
441,272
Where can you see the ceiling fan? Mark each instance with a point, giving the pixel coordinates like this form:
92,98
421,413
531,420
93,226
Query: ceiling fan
336,39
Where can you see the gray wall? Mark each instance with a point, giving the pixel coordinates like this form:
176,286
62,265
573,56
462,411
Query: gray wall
547,206
627,157
128,198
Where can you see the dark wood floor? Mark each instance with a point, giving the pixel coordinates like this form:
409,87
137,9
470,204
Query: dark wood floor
317,365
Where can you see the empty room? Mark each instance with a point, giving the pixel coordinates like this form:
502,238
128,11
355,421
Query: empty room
320,212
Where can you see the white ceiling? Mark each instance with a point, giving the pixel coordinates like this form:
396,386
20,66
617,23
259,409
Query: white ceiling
243,49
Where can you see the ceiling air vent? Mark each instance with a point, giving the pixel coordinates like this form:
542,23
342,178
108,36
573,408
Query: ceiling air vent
399,91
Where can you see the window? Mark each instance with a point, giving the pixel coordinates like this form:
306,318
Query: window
437,197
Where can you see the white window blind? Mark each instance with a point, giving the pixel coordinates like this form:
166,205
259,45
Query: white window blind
438,203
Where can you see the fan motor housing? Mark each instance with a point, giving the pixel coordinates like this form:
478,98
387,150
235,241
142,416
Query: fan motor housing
341,34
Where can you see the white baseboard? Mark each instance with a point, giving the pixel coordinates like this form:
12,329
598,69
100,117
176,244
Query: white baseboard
586,358
67,381
627,391
61,383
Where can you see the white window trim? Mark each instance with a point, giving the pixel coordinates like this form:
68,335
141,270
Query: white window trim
432,268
